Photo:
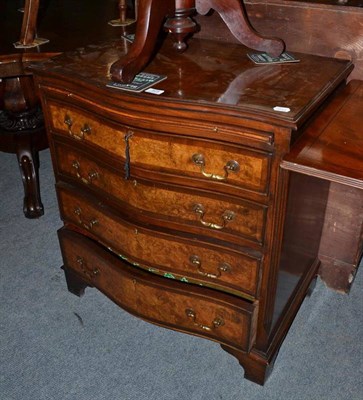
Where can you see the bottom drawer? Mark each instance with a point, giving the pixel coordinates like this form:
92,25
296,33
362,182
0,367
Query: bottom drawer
180,306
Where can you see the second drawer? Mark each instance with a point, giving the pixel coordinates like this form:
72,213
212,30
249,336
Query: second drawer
196,211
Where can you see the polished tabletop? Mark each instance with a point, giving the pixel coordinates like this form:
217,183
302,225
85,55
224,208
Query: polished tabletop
213,74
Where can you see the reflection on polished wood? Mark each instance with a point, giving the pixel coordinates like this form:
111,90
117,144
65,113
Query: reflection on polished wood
332,149
323,27
307,28
151,15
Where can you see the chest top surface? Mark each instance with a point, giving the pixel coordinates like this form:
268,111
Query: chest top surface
208,75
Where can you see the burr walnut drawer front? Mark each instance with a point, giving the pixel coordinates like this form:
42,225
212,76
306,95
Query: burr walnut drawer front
188,308
204,161
179,208
162,253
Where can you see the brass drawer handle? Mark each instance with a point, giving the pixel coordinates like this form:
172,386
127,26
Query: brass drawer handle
92,175
89,272
88,225
227,216
222,267
231,166
86,129
216,323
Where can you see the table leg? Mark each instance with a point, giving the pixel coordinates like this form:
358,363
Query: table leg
235,17
22,133
123,20
151,14
181,25
28,160
28,37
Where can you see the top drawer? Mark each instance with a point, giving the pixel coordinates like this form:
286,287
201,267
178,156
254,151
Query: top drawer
176,157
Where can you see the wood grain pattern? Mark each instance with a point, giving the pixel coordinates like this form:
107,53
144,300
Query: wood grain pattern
167,153
100,135
162,253
173,205
175,156
157,300
341,246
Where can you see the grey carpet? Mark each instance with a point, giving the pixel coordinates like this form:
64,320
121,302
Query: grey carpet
55,345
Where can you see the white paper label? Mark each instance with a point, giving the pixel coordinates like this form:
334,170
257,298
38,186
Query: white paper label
282,109
154,91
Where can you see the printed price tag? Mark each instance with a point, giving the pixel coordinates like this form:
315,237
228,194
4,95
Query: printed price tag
142,81
264,58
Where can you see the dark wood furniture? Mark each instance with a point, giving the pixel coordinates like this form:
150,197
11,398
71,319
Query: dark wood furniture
21,123
175,206
152,14
22,132
124,12
306,27
325,28
28,37
328,28
331,149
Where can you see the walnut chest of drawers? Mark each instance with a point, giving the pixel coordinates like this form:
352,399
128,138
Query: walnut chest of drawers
175,206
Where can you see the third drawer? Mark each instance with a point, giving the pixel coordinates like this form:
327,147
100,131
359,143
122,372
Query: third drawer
163,253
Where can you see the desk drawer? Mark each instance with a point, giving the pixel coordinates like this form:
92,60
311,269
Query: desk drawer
202,160
168,255
183,307
174,206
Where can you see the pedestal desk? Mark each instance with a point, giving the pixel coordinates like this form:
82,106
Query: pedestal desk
175,205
